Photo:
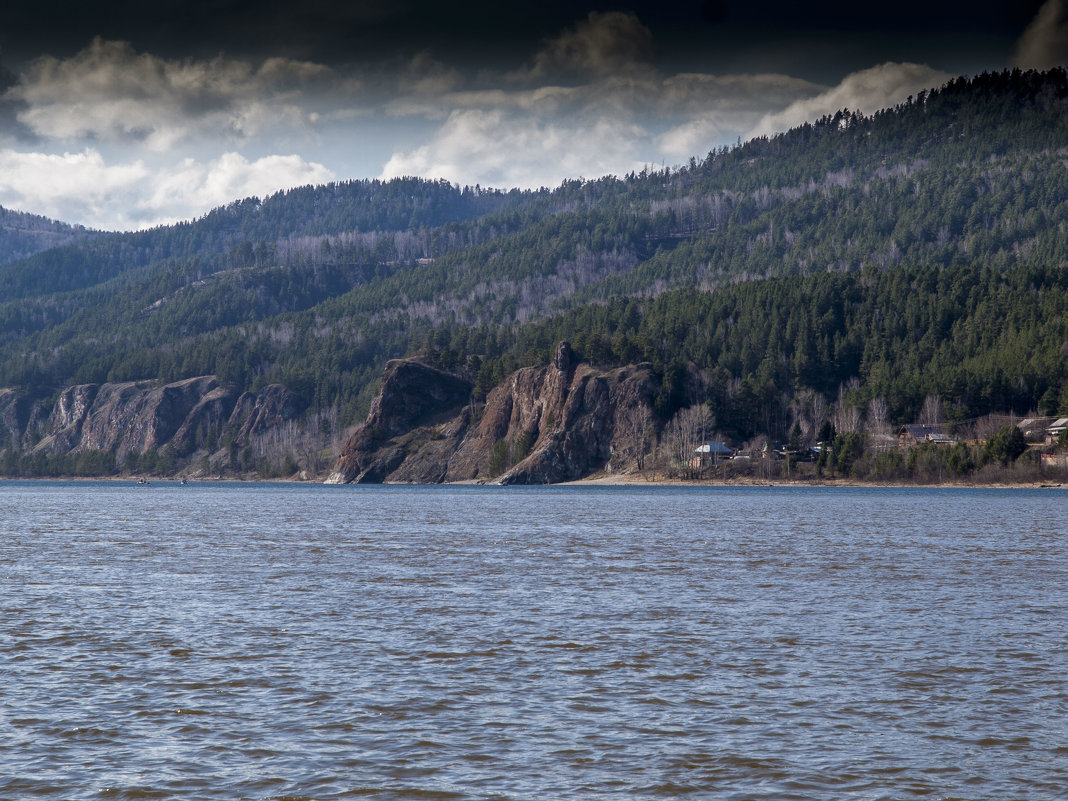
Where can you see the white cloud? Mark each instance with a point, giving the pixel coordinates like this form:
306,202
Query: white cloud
694,137
192,187
498,149
83,188
698,94
589,103
536,136
545,99
108,91
75,187
865,91
1045,42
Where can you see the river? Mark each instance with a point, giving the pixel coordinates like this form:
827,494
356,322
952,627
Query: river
274,641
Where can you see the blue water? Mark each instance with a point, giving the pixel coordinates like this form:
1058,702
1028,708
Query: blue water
235,641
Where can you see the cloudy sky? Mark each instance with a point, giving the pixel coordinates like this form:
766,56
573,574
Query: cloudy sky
124,114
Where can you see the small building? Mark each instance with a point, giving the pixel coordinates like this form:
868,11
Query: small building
909,436
711,453
1035,429
1057,428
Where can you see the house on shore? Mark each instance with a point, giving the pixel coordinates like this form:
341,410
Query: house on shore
711,453
1035,429
910,436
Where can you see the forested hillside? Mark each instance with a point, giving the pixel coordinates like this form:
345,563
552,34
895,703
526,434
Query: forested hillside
922,251
23,235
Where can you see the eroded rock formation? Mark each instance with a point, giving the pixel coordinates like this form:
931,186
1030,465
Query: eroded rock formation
542,425
411,421
132,418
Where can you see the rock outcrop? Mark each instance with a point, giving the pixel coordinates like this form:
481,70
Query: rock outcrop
22,417
541,426
10,426
255,413
181,419
411,413
121,418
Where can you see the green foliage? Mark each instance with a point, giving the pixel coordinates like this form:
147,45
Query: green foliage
86,464
499,460
961,460
985,339
1005,446
847,449
523,444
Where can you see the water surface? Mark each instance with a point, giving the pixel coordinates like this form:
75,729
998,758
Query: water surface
228,641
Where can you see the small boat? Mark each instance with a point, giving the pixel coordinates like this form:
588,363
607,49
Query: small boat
142,481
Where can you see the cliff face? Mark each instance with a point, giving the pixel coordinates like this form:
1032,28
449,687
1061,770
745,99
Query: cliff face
10,426
121,418
409,418
541,426
132,418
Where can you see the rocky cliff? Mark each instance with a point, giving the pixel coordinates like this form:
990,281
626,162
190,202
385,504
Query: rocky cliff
182,420
410,430
541,426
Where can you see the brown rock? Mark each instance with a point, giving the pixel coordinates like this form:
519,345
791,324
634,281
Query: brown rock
414,400
130,417
542,425
257,412
568,419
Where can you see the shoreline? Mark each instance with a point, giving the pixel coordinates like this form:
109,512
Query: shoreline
827,483
595,480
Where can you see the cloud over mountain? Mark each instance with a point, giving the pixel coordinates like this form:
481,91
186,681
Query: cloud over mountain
83,186
866,91
109,91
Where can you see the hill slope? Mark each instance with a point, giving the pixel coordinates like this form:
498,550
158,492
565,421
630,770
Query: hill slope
23,235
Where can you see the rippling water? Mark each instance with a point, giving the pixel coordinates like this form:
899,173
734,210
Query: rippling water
295,642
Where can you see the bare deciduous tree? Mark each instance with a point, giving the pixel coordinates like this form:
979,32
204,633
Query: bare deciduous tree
846,415
683,433
634,434
878,417
985,427
931,413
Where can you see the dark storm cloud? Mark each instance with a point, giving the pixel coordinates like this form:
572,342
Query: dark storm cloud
11,129
338,32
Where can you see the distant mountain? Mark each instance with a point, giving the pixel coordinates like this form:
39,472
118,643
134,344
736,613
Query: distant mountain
317,288
23,235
